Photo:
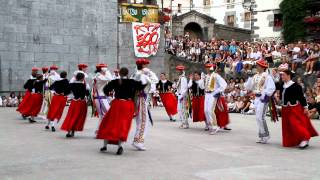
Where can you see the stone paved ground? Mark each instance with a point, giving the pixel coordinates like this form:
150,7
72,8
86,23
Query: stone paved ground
27,151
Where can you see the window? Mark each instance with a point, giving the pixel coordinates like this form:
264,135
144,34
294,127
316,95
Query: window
230,20
206,2
277,21
230,4
247,16
179,8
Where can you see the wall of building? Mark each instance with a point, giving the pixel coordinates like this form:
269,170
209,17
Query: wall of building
61,32
227,32
264,18
173,61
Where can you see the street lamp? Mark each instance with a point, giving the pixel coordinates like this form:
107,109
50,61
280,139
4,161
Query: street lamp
250,5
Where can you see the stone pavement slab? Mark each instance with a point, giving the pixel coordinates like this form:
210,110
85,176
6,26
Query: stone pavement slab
28,151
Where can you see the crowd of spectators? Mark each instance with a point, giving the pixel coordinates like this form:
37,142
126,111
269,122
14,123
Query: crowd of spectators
236,60
10,101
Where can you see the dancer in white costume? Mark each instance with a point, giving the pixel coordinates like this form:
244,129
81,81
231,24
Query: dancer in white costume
143,116
214,87
182,93
263,86
101,100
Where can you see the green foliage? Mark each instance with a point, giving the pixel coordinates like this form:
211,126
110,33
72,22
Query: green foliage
293,12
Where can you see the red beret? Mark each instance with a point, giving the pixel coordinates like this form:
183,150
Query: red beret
180,68
35,69
45,68
54,67
98,66
140,61
208,65
262,63
82,65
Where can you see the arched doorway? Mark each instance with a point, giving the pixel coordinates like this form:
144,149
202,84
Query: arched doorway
194,29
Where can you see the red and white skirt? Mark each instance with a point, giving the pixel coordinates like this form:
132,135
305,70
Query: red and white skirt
116,123
169,102
25,102
76,116
221,111
198,109
57,105
296,126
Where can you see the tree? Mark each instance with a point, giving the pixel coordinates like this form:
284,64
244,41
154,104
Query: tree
293,12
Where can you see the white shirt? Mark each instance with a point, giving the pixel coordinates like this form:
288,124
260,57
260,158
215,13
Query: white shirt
261,84
100,82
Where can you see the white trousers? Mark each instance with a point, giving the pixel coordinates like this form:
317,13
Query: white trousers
183,111
210,103
142,121
103,107
261,108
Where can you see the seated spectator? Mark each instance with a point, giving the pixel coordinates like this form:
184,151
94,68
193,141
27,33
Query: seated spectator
231,105
239,104
246,104
12,100
284,64
4,101
312,59
299,55
276,56
313,108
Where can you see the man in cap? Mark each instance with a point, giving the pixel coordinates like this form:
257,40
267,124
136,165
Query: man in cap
182,93
263,86
214,88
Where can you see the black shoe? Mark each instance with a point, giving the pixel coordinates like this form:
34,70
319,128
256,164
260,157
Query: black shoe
206,129
103,149
120,150
68,135
72,134
303,147
31,120
47,127
24,117
227,129
173,120
53,129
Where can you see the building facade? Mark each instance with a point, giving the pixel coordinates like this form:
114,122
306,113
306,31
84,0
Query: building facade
266,16
267,20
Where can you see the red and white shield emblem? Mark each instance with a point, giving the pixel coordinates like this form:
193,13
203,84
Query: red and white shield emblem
146,38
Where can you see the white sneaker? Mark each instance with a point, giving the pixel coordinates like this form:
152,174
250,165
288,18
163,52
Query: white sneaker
305,73
265,140
217,130
310,72
212,132
139,146
259,140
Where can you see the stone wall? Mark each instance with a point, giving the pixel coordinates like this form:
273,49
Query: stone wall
61,32
227,32
173,61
